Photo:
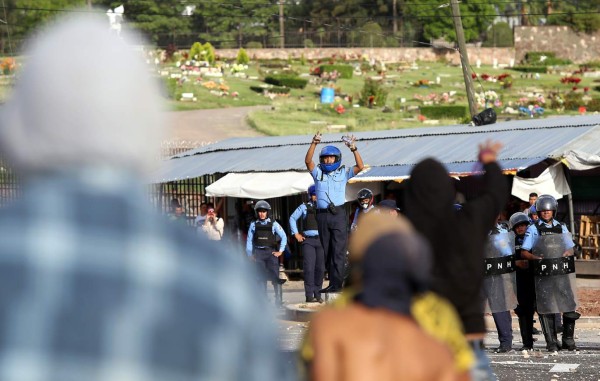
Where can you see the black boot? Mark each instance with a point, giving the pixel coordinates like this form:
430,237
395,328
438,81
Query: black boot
568,336
278,290
549,329
526,328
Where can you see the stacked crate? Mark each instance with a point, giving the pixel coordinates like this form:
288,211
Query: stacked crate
589,235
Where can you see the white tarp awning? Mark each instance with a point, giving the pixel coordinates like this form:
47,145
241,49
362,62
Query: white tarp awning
552,181
260,185
581,161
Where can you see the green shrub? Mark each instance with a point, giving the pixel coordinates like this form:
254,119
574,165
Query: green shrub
195,51
573,100
207,53
534,58
254,45
530,69
302,60
287,81
274,89
445,112
593,105
590,65
345,71
308,43
242,57
373,90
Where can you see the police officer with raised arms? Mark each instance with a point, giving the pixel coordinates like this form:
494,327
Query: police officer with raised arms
262,247
313,263
549,245
330,183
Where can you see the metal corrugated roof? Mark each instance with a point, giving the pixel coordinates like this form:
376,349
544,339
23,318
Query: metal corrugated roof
528,140
397,172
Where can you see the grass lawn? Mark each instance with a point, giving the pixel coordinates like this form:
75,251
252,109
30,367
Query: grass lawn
300,112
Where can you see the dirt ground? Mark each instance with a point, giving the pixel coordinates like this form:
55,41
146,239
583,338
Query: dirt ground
589,301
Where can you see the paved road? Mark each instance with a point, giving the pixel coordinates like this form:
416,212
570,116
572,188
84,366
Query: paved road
210,125
539,366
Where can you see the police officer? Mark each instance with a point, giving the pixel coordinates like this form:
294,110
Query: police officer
550,245
261,246
365,204
312,251
497,283
332,220
533,215
518,223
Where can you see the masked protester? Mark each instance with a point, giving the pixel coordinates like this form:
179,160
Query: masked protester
458,238
330,178
549,246
373,335
262,247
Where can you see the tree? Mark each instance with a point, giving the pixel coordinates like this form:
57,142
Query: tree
437,22
229,23
582,16
499,35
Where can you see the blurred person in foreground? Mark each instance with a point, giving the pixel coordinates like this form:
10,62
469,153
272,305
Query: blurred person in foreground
94,284
458,238
386,326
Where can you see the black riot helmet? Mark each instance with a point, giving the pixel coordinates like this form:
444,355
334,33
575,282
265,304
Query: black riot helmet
517,219
262,205
365,198
546,202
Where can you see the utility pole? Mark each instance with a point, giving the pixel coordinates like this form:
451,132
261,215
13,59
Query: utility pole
89,4
281,26
394,12
464,57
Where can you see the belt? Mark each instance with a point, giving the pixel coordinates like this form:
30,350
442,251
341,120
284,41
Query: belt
326,210
311,236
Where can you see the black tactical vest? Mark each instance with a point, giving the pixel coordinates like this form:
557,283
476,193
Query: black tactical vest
544,230
263,235
311,218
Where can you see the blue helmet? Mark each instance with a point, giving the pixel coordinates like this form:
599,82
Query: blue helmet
311,190
330,151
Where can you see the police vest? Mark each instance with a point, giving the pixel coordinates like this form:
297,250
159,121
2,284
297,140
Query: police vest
263,235
544,230
311,218
518,243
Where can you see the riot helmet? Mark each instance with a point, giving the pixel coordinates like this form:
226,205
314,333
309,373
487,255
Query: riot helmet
262,205
544,203
365,198
517,219
330,151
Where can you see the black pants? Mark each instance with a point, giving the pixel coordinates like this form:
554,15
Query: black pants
526,307
267,264
313,266
503,322
333,232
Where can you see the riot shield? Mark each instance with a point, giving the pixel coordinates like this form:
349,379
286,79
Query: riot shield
555,286
499,283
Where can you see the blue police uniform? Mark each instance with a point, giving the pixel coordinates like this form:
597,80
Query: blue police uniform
333,221
532,234
261,245
503,320
551,321
313,257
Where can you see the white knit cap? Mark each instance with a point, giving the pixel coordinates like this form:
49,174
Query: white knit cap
84,98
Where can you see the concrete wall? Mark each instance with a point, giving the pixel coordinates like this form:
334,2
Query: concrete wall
486,55
578,47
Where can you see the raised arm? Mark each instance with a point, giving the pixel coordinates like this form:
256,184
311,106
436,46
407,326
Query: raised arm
351,143
308,160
